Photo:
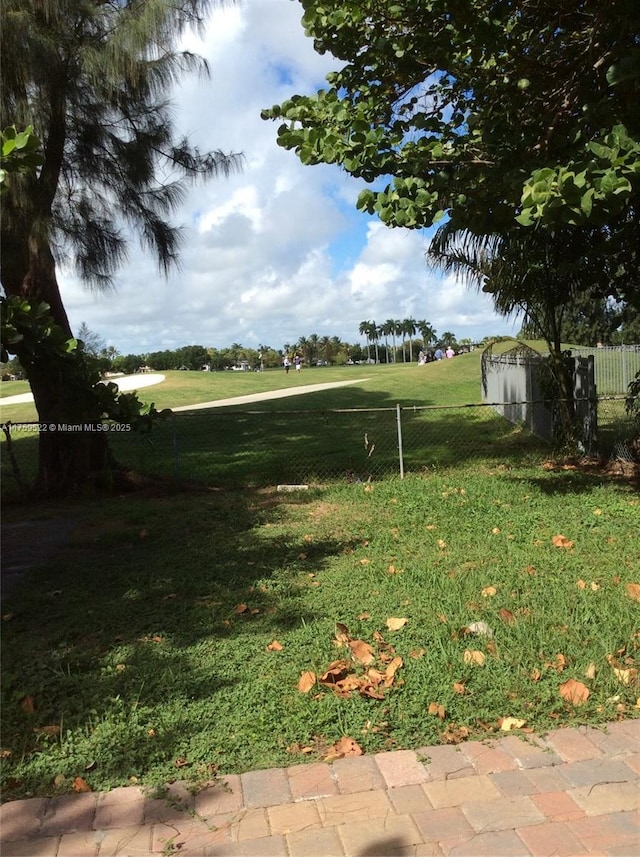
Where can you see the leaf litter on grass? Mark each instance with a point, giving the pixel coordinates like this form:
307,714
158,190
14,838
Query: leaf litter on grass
205,670
346,676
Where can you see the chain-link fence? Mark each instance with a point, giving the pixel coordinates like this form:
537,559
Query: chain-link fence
235,448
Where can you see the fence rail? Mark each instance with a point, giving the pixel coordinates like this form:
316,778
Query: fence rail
615,366
260,447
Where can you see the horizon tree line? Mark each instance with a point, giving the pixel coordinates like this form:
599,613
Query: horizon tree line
406,329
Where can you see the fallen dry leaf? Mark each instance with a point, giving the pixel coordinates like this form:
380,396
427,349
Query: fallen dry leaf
240,608
364,616
627,677
473,656
559,664
344,747
344,686
336,671
26,704
80,785
275,646
458,687
391,670
455,734
574,692
342,633
436,709
51,731
507,616
633,590
489,591
506,724
307,681
590,671
416,654
482,629
535,674
393,570
561,541
395,624
362,651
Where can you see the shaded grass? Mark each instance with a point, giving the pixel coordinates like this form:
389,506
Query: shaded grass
130,642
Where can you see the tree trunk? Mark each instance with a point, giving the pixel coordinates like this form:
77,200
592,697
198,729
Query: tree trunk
73,449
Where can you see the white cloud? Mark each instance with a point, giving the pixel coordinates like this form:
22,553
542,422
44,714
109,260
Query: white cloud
276,251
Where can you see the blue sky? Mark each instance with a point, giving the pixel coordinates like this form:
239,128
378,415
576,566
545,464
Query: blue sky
277,251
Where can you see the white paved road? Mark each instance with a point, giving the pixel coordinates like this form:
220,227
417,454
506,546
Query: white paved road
271,394
124,382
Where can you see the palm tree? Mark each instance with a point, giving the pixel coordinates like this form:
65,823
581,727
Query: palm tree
409,327
375,335
237,352
389,329
325,349
339,348
305,346
448,338
314,343
365,330
427,332
93,78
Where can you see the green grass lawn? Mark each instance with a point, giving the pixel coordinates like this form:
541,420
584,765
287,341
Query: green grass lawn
413,384
141,652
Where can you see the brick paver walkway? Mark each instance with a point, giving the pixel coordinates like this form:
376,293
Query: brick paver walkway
574,793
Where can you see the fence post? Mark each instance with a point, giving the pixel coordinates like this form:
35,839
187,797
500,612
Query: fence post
400,454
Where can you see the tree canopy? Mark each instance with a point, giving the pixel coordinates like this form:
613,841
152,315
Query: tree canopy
93,79
94,82
495,114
